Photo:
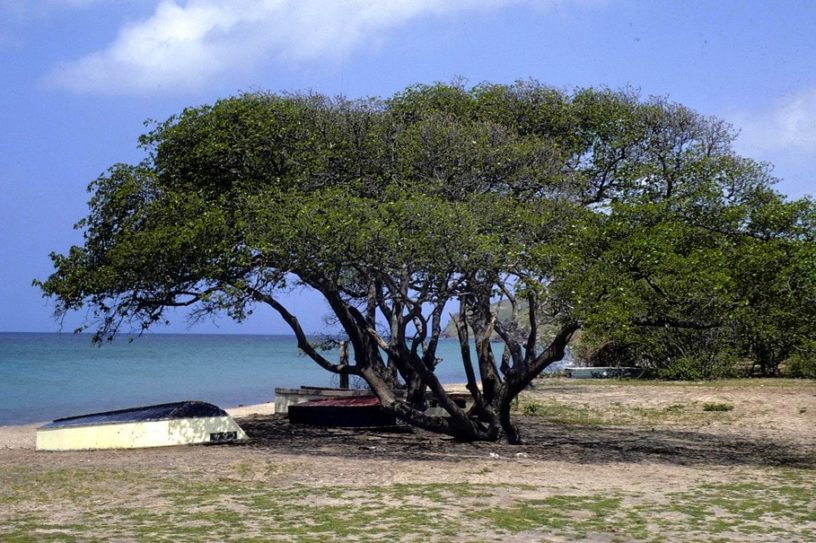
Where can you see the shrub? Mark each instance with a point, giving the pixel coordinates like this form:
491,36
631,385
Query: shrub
698,367
802,365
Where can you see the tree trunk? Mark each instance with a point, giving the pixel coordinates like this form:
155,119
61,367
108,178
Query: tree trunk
511,431
415,391
517,382
344,378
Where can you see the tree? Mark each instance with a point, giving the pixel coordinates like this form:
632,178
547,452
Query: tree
439,199
696,290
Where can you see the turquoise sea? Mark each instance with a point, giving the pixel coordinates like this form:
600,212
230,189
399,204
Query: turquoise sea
45,376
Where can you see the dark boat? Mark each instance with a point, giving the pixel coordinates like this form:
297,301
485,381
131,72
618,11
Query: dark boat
359,411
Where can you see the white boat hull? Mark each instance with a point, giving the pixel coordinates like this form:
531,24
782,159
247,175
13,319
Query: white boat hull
140,434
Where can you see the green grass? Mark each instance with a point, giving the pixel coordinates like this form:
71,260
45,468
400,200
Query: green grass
717,406
782,509
618,414
774,382
562,515
562,412
778,505
226,509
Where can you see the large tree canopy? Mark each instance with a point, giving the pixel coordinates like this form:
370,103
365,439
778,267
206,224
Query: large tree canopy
596,209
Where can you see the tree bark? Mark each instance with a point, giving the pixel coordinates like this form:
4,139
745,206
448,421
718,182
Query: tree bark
518,381
344,378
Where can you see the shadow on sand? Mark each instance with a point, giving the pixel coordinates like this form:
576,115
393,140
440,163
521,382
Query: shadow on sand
546,441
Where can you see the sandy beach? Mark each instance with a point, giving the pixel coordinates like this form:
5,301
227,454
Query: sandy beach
602,462
24,436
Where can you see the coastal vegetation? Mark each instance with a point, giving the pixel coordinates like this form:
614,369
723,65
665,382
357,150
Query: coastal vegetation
630,220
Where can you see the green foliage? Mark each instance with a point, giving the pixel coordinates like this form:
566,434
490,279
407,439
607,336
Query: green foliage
704,291
702,365
632,219
802,364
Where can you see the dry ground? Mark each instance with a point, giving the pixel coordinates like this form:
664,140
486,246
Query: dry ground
603,461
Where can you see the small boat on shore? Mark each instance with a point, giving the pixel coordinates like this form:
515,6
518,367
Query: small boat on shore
350,412
179,423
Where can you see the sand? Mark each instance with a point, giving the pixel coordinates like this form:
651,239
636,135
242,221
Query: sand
635,450
772,413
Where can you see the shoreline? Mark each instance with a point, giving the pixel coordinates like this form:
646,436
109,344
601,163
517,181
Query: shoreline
57,376
236,411
262,408
24,435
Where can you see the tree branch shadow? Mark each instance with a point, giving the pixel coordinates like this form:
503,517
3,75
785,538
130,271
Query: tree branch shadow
543,441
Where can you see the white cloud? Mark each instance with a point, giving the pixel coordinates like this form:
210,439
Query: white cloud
788,125
185,46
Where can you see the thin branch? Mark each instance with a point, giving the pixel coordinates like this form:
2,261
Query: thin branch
532,338
674,323
302,340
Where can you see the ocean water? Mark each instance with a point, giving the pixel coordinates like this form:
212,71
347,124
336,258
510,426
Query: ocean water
47,376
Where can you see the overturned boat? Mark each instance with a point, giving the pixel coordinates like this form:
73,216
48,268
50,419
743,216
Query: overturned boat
356,411
179,423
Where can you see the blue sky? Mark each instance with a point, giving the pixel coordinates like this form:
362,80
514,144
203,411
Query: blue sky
78,78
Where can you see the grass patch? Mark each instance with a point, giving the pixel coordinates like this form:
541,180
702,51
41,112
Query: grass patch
227,509
745,382
559,514
717,406
779,506
562,412
617,414
778,510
